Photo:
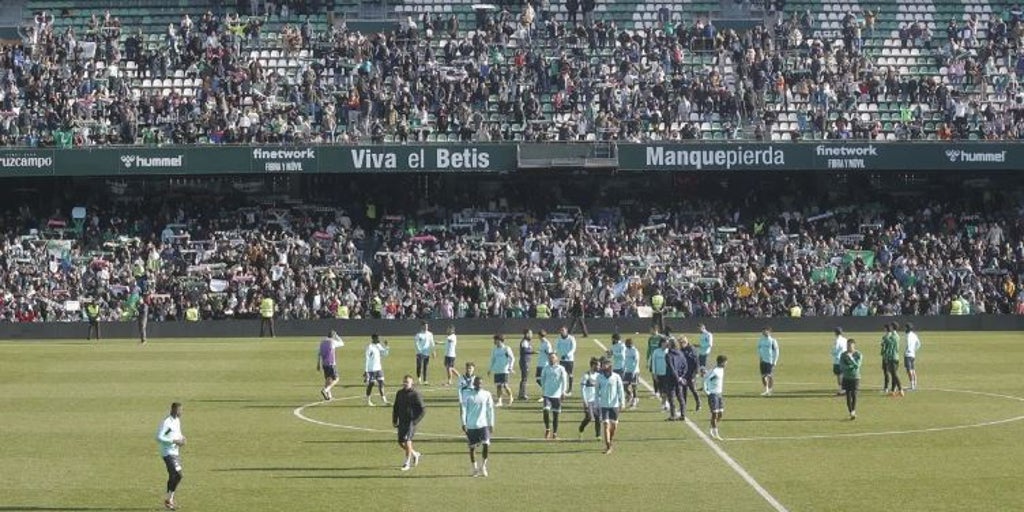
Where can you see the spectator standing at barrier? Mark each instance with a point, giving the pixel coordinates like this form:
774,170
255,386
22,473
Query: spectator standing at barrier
92,313
578,311
525,358
657,310
266,316
142,317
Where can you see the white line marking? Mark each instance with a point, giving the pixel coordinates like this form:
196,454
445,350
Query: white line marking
901,432
299,412
722,455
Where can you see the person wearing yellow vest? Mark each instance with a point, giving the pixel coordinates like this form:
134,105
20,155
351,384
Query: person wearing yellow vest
266,316
376,307
92,312
956,307
342,312
543,310
192,313
658,310
795,311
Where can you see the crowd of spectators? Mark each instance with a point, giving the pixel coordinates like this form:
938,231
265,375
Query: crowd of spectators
520,74
709,259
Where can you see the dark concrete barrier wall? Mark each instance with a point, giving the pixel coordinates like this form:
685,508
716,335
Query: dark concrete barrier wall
251,328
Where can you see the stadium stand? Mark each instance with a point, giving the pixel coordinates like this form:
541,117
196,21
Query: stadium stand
150,72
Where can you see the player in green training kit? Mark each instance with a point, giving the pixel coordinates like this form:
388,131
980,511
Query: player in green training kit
714,384
478,423
891,359
849,365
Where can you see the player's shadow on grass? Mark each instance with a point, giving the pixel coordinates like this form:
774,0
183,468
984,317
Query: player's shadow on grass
758,420
296,469
377,477
64,509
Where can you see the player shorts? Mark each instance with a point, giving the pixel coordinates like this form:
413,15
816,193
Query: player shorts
836,370
851,385
702,360
449,361
552,404
592,410
501,378
374,376
406,431
609,415
422,358
666,383
173,464
908,363
716,403
767,369
568,365
330,372
630,377
478,436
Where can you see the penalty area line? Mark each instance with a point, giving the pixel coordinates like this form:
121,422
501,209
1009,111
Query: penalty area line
729,461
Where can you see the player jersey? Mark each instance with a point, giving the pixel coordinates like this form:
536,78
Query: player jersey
553,381
478,409
424,343
610,392
449,345
714,381
169,430
502,359
588,387
566,348
542,353
631,361
618,355
707,340
768,349
374,353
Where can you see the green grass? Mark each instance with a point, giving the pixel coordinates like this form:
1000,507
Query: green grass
78,421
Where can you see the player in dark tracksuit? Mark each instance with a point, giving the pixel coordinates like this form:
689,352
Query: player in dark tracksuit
675,361
407,412
692,364
525,356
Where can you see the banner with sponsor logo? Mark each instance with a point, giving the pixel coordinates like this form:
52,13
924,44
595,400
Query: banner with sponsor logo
811,156
218,159
487,158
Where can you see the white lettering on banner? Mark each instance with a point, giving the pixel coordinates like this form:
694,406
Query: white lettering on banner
129,161
36,161
958,156
284,154
469,158
846,163
842,151
658,156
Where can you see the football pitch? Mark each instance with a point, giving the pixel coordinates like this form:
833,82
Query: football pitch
78,421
